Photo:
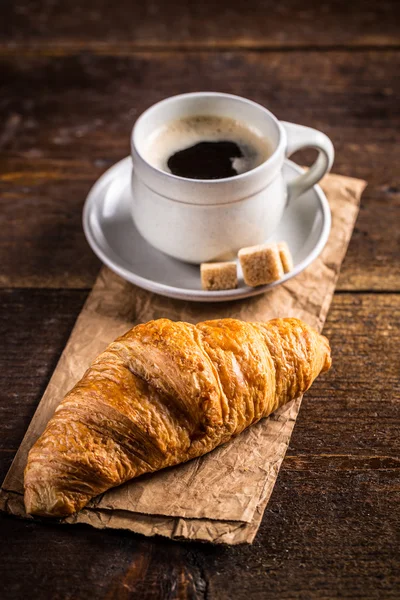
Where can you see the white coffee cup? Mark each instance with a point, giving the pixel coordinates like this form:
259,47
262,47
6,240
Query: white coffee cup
204,220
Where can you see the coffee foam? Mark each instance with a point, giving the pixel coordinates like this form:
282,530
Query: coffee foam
184,133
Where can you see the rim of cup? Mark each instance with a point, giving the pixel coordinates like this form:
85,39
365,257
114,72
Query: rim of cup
239,177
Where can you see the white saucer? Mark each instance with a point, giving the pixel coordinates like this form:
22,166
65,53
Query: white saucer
112,235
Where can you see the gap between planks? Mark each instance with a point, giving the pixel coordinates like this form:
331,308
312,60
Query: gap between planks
123,48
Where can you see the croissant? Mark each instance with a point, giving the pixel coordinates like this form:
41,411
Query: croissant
162,394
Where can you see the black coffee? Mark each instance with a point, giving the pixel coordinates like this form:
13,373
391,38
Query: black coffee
206,147
206,160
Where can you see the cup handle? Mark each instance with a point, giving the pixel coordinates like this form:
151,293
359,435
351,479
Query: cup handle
298,137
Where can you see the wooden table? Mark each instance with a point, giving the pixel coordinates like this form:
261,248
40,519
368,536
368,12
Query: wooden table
73,78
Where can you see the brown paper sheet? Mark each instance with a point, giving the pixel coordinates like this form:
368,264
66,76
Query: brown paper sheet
219,497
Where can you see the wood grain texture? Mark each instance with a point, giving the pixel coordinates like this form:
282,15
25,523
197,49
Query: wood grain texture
109,25
67,119
80,563
34,328
330,529
74,77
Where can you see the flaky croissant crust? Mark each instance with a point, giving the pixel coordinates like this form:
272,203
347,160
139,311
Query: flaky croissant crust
162,394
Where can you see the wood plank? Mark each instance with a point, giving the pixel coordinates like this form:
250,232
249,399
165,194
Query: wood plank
75,121
182,23
34,328
42,244
83,106
46,563
323,536
330,535
331,525
357,403
364,330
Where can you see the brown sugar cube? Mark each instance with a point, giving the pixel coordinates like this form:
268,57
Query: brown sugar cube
261,264
286,257
218,276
